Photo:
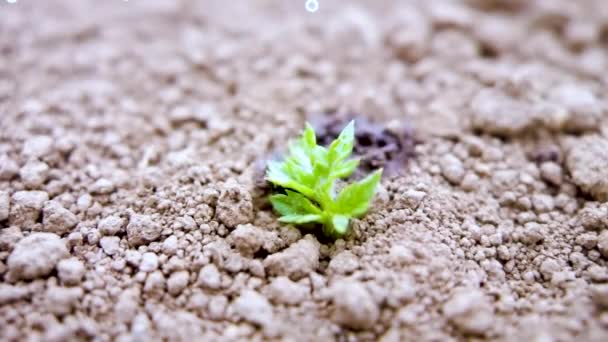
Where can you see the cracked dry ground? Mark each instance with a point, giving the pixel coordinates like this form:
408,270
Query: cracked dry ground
130,134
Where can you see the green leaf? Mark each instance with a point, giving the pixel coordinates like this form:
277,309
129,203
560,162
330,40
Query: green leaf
292,180
309,136
301,219
340,224
345,169
293,203
355,198
342,147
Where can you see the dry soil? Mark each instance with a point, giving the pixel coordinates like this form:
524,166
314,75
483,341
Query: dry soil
131,135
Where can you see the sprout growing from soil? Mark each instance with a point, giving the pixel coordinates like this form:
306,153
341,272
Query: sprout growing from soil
309,173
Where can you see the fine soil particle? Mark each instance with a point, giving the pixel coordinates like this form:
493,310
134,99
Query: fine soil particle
131,134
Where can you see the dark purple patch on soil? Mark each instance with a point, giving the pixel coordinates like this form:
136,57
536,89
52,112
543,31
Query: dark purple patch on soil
375,145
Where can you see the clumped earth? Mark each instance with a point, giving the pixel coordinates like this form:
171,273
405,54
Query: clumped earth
130,133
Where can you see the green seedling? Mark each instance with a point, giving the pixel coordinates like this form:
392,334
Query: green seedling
309,173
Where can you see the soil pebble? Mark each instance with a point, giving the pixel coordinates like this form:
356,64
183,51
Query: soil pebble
110,225
452,169
210,277
4,205
587,161
283,290
56,219
26,207
297,261
177,282
142,229
234,205
494,112
354,308
70,271
470,311
255,308
34,174
36,256
9,169
37,146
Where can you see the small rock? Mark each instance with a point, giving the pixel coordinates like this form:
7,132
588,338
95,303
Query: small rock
9,237
248,239
254,308
413,198
593,216
188,223
126,305
155,283
149,262
234,263
70,271
409,39
552,173
102,186
234,205
36,256
34,174
584,109
587,161
217,307
401,255
8,168
549,267
5,205
209,277
452,169
600,295
343,263
533,233
177,282
142,229
469,311
37,146
84,202
497,113
93,237
587,240
110,244
133,257
354,307
470,182
74,239
57,219
297,261
170,245
10,293
110,225
542,203
602,243
597,273
505,180
26,207
284,291
141,327
62,300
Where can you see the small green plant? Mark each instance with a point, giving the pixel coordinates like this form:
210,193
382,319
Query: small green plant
309,173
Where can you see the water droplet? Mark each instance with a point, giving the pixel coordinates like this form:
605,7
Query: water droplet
312,5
